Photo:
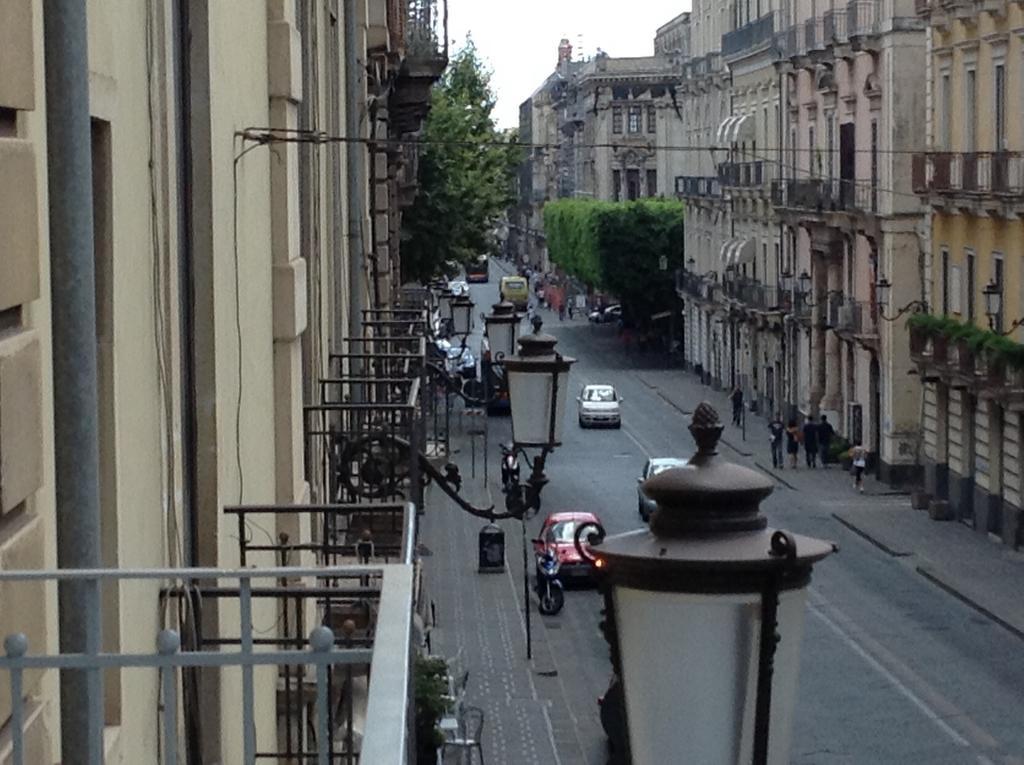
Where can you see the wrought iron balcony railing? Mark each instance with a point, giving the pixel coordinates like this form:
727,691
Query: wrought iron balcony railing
982,173
698,186
825,195
834,26
855,317
744,174
325,722
862,18
749,36
426,29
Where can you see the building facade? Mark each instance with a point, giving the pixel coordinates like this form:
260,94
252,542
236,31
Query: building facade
229,265
971,180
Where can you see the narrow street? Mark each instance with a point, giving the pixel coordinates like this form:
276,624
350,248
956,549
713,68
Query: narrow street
894,669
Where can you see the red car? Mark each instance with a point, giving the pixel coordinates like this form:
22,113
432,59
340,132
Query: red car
558,532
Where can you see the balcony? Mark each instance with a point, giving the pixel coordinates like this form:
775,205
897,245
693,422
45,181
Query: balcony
982,182
426,56
749,37
856,318
742,174
794,47
350,695
698,186
756,296
825,195
834,27
862,23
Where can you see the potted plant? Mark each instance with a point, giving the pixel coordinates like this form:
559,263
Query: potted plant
430,690
839,451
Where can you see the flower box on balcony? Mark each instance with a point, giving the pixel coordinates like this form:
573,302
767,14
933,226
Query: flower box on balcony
939,349
965,357
918,341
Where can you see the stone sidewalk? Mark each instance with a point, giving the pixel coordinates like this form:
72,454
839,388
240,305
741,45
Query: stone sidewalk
984,574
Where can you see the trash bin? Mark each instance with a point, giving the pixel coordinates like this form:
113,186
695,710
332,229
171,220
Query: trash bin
492,550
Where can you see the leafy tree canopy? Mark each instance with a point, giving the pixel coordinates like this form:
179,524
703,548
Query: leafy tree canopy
466,174
620,247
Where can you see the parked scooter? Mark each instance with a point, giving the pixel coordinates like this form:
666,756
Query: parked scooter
509,467
550,594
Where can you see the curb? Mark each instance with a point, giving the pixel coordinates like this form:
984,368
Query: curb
967,600
870,539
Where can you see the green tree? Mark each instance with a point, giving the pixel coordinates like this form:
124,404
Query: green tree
619,247
466,174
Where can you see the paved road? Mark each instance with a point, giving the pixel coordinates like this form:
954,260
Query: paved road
894,669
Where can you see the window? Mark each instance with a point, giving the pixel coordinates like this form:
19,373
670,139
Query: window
635,118
616,185
830,121
945,307
874,165
955,292
970,284
812,165
617,119
999,82
652,119
945,103
652,183
970,109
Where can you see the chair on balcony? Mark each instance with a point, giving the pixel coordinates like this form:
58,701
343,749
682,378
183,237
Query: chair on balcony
470,735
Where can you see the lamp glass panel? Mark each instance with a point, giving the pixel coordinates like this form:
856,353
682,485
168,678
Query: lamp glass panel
499,336
689,666
462,313
530,396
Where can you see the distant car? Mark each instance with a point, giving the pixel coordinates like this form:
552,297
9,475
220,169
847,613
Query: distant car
559,533
478,272
599,405
652,467
458,287
516,290
605,315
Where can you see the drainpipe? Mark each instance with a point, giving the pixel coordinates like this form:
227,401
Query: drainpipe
75,401
354,150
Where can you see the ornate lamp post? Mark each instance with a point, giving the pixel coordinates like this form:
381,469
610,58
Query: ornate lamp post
993,304
502,329
883,288
462,315
705,614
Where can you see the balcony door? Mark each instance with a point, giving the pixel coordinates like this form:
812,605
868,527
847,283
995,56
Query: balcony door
847,163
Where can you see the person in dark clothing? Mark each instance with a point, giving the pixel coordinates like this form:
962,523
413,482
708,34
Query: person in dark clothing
811,442
825,433
737,405
776,430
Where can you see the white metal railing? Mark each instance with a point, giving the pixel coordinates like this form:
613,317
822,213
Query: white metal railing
386,737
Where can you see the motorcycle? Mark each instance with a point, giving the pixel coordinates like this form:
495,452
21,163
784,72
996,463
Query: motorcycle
550,595
509,468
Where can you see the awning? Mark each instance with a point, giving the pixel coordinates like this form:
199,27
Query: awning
734,129
736,252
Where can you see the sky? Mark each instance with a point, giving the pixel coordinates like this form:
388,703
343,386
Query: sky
519,40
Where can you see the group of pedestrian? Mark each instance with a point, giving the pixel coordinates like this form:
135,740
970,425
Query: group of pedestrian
816,439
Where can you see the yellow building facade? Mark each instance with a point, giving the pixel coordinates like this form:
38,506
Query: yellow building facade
972,179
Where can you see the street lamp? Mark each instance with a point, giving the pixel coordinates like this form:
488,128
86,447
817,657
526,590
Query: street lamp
502,328
786,279
883,289
538,381
462,315
993,303
705,614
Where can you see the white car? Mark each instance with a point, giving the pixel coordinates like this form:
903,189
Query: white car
458,288
599,405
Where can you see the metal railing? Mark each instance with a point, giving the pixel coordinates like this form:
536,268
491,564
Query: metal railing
862,18
825,195
834,26
327,668
857,317
382,532
813,37
744,174
698,186
998,173
426,29
749,36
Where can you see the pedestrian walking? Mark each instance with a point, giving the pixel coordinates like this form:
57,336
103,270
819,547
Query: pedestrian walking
737,406
810,432
859,456
793,436
825,433
561,311
776,432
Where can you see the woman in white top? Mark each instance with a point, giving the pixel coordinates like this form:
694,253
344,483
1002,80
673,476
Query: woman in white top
859,455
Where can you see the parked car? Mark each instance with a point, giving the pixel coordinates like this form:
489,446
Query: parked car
652,467
599,405
559,533
458,287
606,315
